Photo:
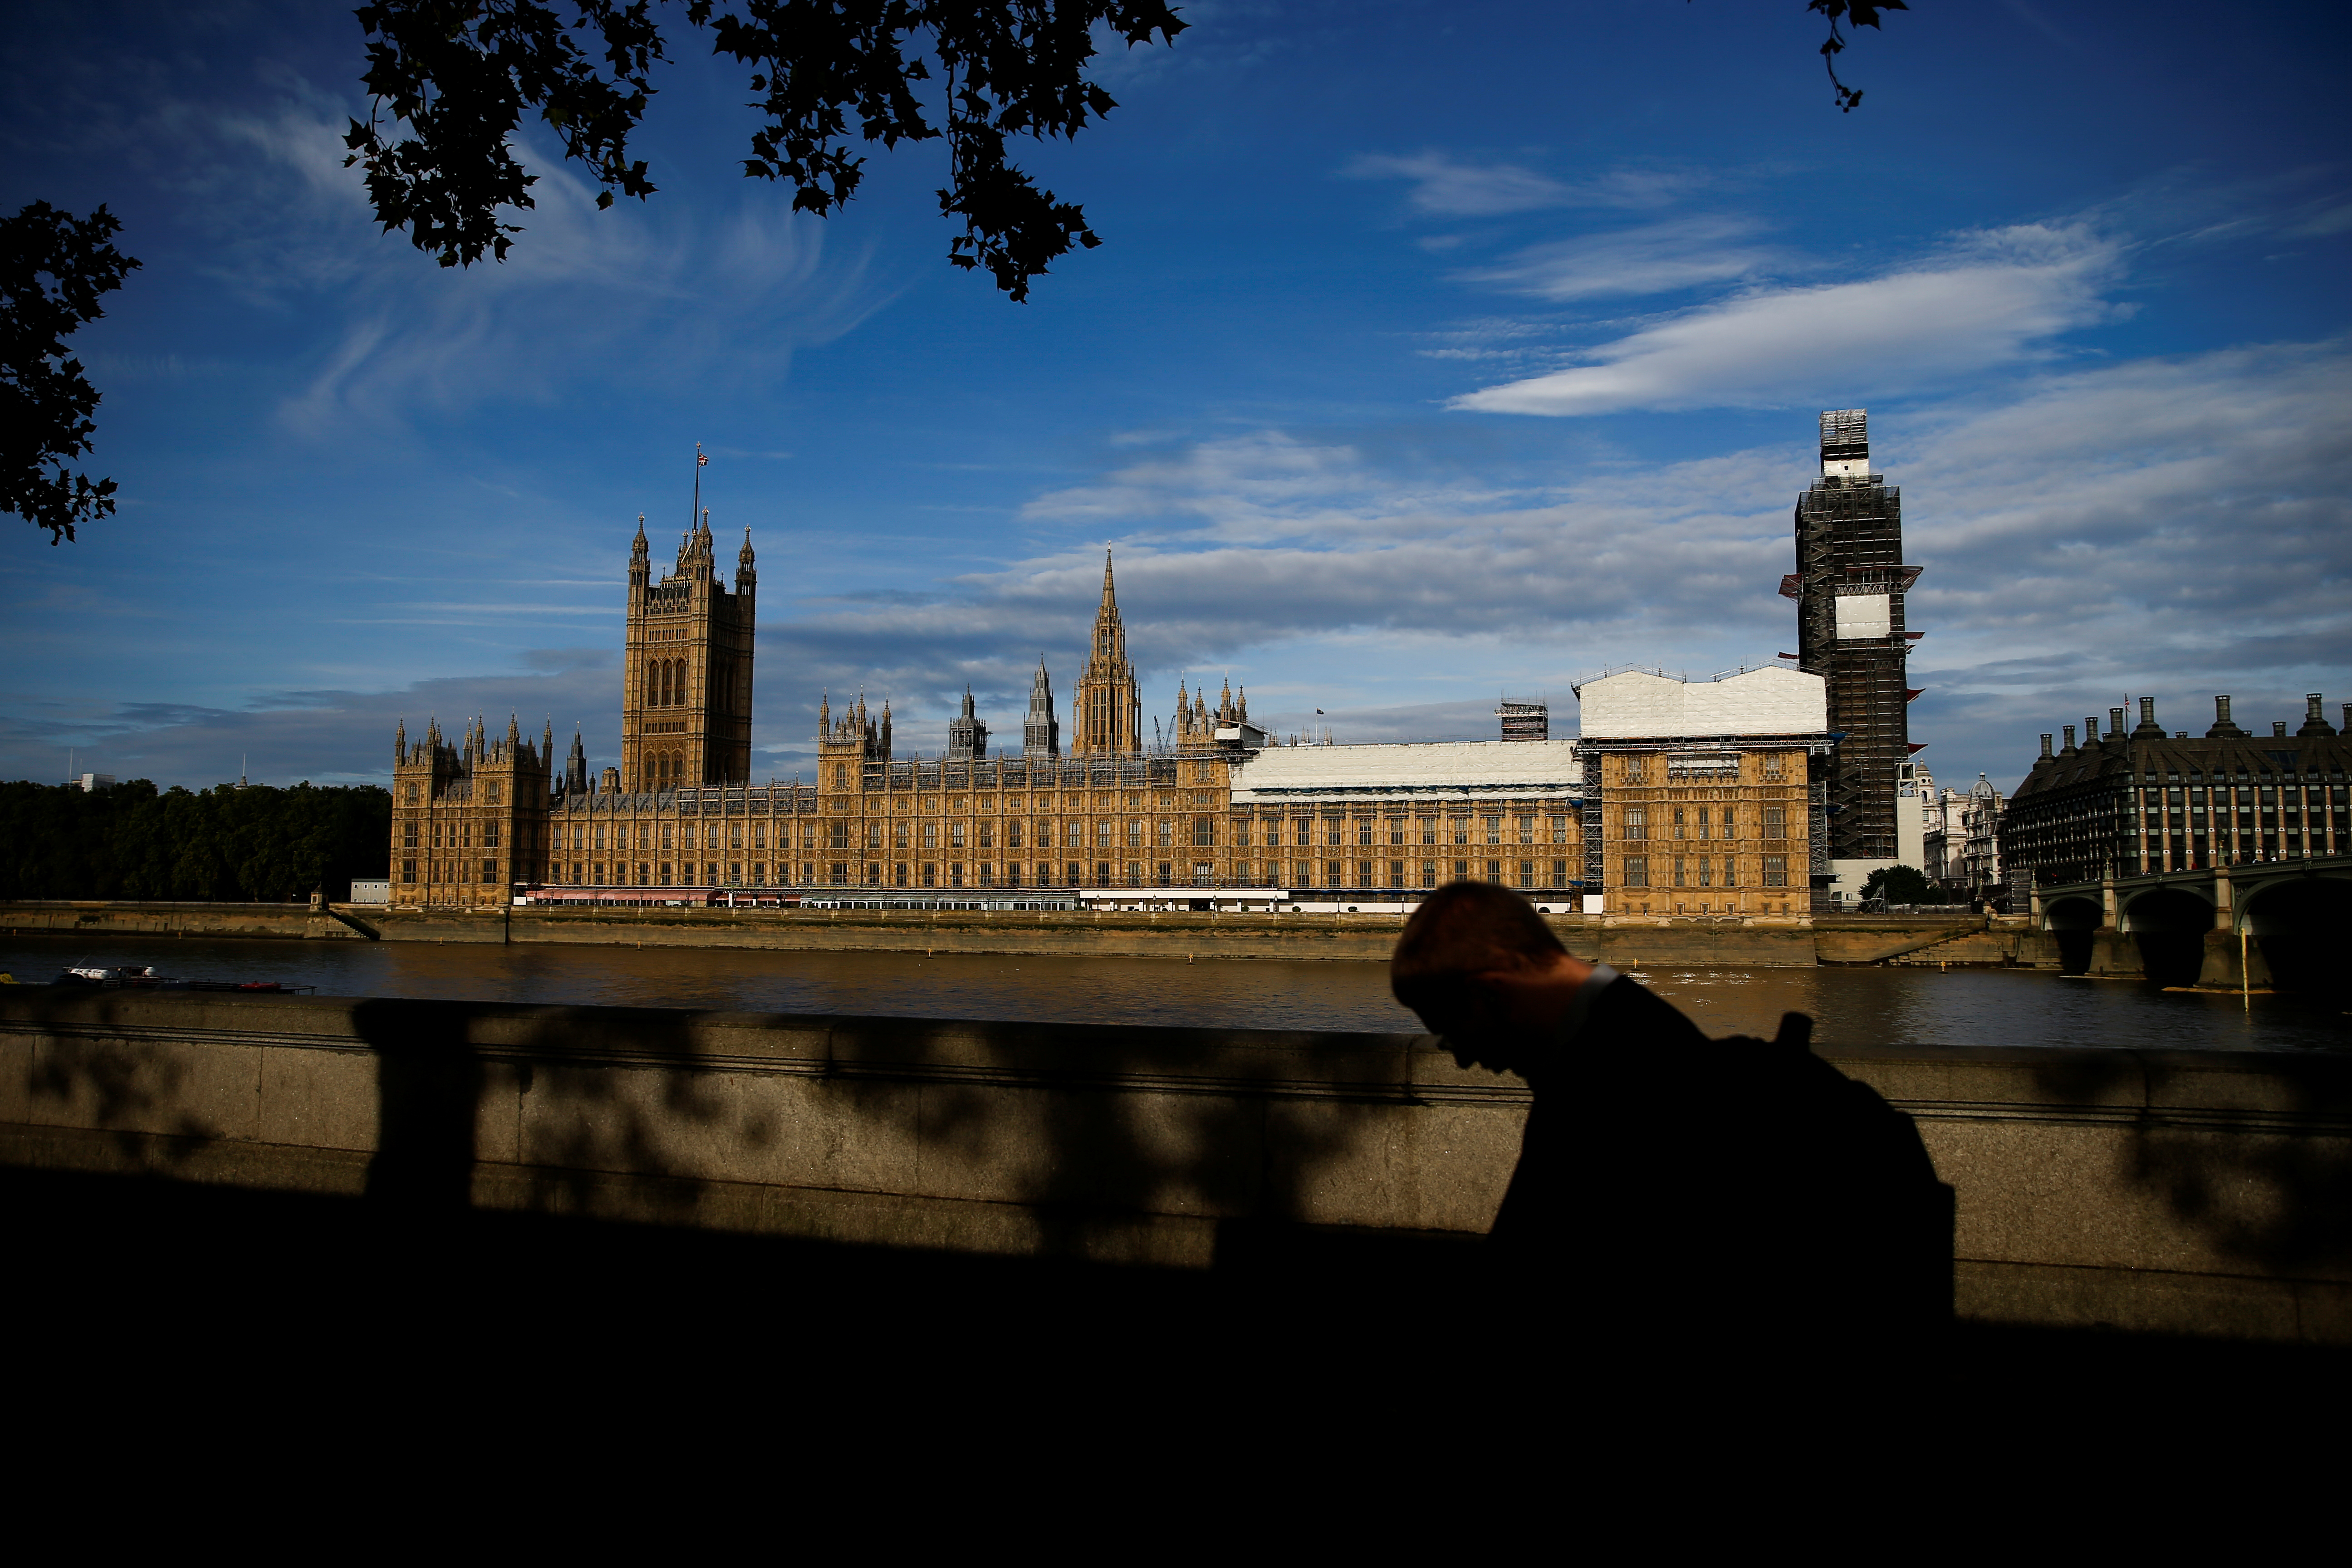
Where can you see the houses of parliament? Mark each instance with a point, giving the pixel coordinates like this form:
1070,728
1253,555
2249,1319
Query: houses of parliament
474,819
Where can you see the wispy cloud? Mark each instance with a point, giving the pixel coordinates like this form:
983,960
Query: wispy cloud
1656,258
1447,187
1995,299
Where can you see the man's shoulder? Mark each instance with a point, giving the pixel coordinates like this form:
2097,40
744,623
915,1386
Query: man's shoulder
1627,1012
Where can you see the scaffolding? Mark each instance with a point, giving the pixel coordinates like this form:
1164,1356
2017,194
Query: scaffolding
1524,721
1849,538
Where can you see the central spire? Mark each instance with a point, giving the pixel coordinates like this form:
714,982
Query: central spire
1108,715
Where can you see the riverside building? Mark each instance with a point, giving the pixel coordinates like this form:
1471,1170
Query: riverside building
1210,811
2117,803
1704,798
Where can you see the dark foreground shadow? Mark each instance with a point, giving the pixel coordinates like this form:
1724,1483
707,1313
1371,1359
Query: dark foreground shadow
133,1283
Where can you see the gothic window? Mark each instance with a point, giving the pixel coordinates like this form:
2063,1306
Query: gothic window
489,835
1013,836
408,835
667,840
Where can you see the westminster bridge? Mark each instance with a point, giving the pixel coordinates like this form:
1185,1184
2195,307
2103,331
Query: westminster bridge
2286,921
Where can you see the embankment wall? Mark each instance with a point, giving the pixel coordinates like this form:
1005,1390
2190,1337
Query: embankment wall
1625,941
2173,1192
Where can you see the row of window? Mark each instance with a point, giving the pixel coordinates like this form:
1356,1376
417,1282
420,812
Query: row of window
1331,874
461,836
1703,822
463,871
1698,871
1702,766
1202,832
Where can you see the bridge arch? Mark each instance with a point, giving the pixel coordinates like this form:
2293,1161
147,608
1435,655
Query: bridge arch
2168,925
2071,919
2303,928
2074,912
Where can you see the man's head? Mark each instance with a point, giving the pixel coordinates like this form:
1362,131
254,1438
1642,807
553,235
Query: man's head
1481,968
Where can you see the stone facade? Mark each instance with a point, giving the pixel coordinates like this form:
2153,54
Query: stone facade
1705,800
468,821
1400,818
686,702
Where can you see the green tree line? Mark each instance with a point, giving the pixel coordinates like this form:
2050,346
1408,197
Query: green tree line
257,844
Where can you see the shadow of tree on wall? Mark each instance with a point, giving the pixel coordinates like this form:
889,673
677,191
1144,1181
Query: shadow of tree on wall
2255,1182
1052,1140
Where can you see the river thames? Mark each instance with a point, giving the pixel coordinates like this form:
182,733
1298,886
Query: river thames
1852,1007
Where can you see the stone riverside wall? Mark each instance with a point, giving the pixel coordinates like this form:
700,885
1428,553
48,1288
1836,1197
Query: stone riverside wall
2204,1192
1758,941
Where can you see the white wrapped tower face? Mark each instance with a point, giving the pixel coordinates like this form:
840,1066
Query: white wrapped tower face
1636,706
1864,615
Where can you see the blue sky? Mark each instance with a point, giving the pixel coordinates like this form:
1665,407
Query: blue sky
1433,351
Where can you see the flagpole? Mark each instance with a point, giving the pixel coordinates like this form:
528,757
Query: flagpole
696,510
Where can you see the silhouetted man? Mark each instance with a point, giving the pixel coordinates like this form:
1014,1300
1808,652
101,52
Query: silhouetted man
1667,1180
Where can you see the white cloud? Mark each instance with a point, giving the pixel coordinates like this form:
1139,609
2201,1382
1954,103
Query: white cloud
1996,298
1445,187
1652,259
678,295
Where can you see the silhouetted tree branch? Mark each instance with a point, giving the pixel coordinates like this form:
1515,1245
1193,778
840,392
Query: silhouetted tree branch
460,74
53,268
1862,13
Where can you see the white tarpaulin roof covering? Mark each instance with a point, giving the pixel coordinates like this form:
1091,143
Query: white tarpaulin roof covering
1635,705
1410,769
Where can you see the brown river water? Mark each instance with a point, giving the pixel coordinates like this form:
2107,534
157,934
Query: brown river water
1852,1007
